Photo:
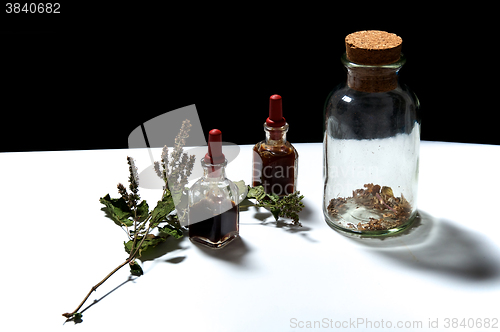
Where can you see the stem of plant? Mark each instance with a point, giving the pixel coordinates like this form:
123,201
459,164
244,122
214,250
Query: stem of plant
94,288
69,315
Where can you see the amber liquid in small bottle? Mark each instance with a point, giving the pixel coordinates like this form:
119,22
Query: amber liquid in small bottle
216,230
275,160
274,168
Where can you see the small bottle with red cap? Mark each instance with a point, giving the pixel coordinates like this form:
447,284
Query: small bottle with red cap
213,211
275,160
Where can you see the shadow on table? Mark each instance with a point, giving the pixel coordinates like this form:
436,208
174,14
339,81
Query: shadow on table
129,279
169,246
443,247
234,252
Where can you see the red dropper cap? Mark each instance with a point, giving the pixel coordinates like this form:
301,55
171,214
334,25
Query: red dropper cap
214,155
275,118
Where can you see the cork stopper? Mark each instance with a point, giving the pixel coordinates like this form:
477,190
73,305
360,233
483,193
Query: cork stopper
373,47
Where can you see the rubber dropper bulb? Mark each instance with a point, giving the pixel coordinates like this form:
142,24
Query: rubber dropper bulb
214,155
275,118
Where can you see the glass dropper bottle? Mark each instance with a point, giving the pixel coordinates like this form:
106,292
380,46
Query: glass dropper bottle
213,214
275,160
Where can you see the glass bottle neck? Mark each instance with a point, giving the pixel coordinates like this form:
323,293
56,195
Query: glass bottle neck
276,135
214,172
367,78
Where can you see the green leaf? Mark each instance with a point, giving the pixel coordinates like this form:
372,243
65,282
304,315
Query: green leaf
171,230
288,206
128,246
246,203
135,269
151,241
118,210
75,318
181,199
162,209
273,197
242,190
256,192
276,212
142,210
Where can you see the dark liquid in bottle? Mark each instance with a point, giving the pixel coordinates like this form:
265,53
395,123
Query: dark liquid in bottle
274,168
216,229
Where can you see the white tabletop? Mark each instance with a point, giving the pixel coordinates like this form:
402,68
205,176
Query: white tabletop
57,243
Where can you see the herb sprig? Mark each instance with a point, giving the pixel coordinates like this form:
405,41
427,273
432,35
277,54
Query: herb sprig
287,206
134,216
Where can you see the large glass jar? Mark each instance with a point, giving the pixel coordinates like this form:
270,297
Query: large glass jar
371,151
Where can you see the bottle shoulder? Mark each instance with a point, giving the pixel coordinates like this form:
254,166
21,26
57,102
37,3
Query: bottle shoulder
342,93
263,148
208,181
213,189
345,101
353,114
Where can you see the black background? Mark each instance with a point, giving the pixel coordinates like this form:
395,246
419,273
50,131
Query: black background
85,78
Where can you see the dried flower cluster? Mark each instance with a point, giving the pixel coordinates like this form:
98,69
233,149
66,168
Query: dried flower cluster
176,172
133,179
134,215
396,210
